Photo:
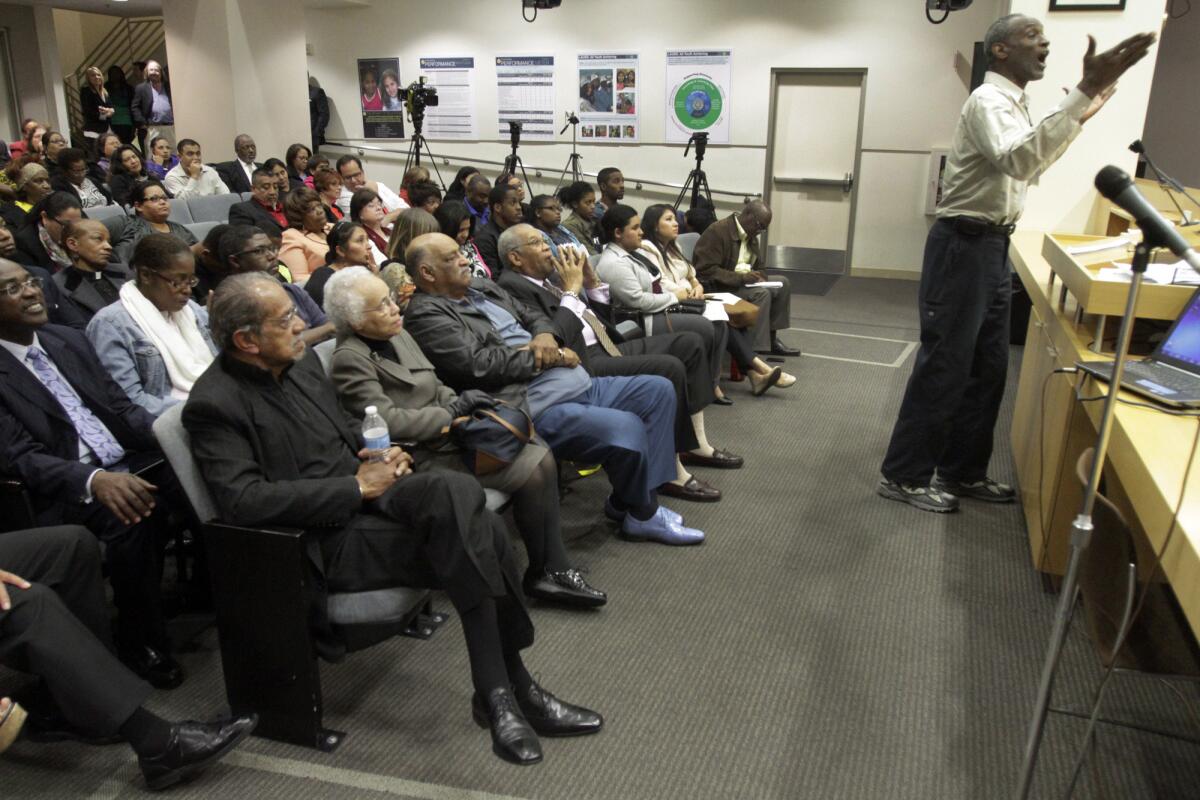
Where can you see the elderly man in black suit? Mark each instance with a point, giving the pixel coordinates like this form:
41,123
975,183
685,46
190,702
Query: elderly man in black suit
546,284
91,282
78,444
274,448
54,624
262,210
239,173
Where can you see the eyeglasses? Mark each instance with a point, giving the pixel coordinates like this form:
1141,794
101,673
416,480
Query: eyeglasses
157,198
286,320
262,250
17,287
384,304
178,284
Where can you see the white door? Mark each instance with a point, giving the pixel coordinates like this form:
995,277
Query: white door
812,157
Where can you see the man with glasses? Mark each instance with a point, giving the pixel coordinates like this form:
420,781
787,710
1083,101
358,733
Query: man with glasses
353,179
151,209
39,241
78,444
61,312
191,177
262,209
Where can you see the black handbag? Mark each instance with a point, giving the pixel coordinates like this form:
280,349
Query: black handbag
686,307
491,438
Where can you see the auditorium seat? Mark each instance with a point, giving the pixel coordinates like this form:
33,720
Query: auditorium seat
201,229
179,211
212,208
105,212
687,244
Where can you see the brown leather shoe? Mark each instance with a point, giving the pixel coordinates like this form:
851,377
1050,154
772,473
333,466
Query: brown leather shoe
695,490
721,459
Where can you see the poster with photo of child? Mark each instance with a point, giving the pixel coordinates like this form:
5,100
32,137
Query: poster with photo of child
381,98
608,96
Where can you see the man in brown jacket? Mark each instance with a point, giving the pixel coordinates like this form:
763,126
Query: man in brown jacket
727,259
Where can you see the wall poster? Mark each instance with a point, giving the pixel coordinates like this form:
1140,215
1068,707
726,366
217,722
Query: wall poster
608,97
525,94
380,98
454,115
698,87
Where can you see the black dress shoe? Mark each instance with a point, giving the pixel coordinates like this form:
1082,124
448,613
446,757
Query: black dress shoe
722,401
695,490
721,459
778,348
192,747
512,738
154,666
566,587
550,716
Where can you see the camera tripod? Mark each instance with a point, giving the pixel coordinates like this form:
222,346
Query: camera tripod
512,162
413,157
573,160
696,179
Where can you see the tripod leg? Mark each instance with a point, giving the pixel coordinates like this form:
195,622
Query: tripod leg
425,143
683,192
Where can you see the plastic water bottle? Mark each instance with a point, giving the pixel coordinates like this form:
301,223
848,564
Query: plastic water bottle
375,434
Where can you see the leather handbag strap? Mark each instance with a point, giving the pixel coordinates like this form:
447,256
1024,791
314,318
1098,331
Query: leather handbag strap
522,436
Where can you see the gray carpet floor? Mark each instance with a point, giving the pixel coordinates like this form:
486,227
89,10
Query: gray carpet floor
823,643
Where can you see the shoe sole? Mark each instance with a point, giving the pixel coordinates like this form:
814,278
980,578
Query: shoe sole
772,379
185,774
634,538
10,727
501,754
712,465
573,601
900,497
987,498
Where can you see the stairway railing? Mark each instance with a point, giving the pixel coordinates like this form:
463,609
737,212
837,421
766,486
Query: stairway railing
129,40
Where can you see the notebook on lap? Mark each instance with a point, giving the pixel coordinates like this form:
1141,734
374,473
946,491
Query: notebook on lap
1171,375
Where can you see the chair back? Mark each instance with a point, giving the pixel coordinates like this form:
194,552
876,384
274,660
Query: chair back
212,208
687,244
177,447
593,260
105,212
179,211
201,229
324,351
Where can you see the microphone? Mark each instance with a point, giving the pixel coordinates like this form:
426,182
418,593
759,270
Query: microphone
1164,180
1115,184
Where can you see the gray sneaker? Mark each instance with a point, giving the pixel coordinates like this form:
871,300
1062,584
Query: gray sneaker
926,498
988,490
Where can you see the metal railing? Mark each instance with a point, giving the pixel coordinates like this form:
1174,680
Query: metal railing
129,40
538,172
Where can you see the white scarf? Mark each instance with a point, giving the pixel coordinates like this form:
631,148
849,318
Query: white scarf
176,335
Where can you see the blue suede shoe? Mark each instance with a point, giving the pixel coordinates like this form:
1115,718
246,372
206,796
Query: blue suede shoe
611,512
660,528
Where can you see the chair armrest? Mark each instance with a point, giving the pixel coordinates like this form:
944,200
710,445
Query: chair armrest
18,508
629,330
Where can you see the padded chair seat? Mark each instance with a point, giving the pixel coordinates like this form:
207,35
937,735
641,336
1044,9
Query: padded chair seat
379,606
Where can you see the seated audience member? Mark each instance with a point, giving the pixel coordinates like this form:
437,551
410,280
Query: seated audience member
328,185
612,189
150,211
547,219
274,448
91,282
278,171
367,210
33,184
425,195
550,287
262,209
56,627
60,310
125,170
209,268
413,175
30,141
154,340
457,222
477,337
105,148
353,179
296,163
505,206
245,248
580,198
479,189
53,143
161,160
73,177
411,223
727,259
77,443
348,247
39,241
317,163
458,186
191,177
239,173
699,218
304,244
377,363
509,179
659,234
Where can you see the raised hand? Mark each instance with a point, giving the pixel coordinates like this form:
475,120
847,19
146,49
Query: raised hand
1101,70
569,266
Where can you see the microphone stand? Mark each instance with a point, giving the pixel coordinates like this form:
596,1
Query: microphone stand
1081,528
572,160
1167,183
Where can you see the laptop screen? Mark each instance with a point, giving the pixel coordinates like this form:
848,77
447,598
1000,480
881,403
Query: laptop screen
1181,348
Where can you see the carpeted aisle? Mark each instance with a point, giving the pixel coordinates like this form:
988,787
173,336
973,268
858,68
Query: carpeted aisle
824,643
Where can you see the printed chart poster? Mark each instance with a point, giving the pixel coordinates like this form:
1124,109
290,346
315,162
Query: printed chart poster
380,98
698,84
454,115
608,97
525,94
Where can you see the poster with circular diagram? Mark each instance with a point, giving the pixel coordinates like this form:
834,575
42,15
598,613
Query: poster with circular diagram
698,83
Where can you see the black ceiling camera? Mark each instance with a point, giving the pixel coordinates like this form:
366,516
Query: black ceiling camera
535,5
945,6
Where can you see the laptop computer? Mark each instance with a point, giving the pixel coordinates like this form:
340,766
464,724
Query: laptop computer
1171,375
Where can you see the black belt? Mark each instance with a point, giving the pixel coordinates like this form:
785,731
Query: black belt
970,226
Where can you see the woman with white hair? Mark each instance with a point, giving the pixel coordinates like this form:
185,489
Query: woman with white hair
154,340
377,363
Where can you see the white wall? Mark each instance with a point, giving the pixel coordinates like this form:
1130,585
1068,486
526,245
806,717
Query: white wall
27,60
78,34
1172,134
913,91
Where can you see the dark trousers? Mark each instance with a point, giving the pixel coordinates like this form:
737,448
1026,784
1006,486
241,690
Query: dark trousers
432,530
953,396
740,345
712,342
774,310
58,628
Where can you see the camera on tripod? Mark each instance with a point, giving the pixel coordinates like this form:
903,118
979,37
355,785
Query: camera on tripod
417,96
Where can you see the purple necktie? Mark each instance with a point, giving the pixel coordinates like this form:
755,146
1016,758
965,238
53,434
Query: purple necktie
91,430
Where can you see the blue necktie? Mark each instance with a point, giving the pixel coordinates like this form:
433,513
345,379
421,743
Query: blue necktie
91,430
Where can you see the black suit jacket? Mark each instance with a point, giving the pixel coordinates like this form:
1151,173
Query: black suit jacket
142,105
249,212
545,303
38,443
233,175
487,241
77,290
30,249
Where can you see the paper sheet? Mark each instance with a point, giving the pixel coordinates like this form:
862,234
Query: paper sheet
714,311
1117,242
765,284
1179,273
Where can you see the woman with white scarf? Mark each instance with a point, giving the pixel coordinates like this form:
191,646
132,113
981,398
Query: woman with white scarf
154,340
